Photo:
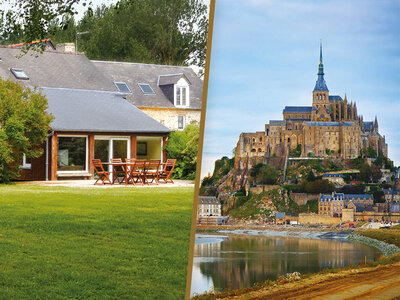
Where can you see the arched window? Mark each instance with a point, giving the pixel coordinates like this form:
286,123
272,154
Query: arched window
324,97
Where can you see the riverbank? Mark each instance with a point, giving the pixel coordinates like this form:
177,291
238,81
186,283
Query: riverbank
355,282
274,227
370,279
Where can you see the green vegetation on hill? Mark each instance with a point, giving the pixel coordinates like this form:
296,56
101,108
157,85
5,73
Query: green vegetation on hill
262,205
91,243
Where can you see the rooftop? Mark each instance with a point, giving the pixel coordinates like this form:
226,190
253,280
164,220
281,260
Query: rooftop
97,111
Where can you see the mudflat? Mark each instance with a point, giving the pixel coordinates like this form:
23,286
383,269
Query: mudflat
382,282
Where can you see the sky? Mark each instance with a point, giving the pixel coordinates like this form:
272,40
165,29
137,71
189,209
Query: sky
265,56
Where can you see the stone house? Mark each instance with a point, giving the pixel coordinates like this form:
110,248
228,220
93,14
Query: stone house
170,94
93,119
208,206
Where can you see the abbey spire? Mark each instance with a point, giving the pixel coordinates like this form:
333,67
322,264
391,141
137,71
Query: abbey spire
320,85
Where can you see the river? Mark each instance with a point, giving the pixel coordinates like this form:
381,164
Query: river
237,261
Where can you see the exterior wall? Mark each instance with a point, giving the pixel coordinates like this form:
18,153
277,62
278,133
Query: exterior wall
262,188
38,166
347,215
318,219
330,208
169,117
205,210
302,198
37,171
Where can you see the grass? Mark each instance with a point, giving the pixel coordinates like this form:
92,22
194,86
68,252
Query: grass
390,236
65,243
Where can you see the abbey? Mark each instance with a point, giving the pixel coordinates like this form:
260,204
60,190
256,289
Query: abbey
330,127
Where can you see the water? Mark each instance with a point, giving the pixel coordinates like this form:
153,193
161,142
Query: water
233,262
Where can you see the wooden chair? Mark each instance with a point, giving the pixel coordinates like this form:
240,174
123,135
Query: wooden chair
136,171
118,170
152,170
166,173
99,170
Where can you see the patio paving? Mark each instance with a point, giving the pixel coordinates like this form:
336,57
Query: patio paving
90,184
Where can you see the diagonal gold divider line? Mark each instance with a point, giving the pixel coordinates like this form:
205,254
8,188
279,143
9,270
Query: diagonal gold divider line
200,149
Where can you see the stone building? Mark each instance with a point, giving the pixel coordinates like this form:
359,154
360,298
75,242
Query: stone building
333,205
331,127
208,206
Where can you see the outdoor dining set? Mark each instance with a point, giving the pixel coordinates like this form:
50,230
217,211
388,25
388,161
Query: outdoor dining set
133,171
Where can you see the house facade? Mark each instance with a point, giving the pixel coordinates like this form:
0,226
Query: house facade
208,206
332,205
170,94
92,116
91,125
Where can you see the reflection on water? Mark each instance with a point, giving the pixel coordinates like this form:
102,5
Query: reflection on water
240,261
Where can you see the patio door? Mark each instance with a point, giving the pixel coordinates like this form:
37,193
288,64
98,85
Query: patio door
106,148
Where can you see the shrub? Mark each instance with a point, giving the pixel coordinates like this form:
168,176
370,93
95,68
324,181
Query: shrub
24,125
183,145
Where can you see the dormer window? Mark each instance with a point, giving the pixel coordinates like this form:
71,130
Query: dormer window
19,74
123,87
146,89
181,93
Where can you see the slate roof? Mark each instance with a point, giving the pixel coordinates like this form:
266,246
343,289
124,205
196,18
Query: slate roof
97,111
276,122
171,79
297,120
320,84
332,175
369,126
208,200
134,73
280,215
390,192
335,98
303,109
53,69
358,196
329,124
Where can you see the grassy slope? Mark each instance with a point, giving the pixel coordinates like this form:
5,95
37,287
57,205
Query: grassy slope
390,236
59,243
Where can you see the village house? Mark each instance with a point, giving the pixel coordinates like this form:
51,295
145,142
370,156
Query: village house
93,118
170,94
209,206
332,205
337,179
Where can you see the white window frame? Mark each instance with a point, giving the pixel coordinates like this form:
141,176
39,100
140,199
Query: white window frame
87,155
183,122
121,82
25,165
140,87
182,83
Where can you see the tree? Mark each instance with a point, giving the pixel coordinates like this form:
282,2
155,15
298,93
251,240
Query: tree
35,16
267,175
370,173
148,31
24,125
370,152
183,146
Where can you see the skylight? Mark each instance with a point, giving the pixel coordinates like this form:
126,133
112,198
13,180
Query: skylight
122,87
146,89
19,74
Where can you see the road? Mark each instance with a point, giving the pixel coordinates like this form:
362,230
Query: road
374,283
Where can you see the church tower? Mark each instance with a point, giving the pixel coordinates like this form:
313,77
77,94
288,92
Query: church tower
321,104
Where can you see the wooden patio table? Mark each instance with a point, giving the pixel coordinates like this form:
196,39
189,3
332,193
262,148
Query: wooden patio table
127,165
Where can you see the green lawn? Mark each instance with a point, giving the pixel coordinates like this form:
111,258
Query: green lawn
89,243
